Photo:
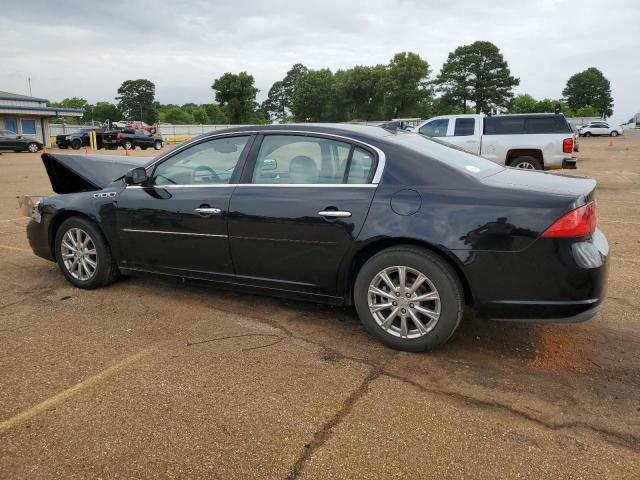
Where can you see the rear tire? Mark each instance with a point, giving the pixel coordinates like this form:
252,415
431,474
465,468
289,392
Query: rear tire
526,162
157,145
80,240
586,134
76,144
614,134
128,145
409,329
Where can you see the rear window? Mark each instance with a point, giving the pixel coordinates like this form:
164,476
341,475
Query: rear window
522,124
451,155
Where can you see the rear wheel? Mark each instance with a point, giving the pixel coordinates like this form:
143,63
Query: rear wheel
614,134
157,145
586,134
83,255
527,162
408,298
76,144
127,145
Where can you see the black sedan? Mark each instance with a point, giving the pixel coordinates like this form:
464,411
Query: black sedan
12,141
405,228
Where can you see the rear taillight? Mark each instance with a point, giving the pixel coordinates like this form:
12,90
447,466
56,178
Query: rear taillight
576,223
567,145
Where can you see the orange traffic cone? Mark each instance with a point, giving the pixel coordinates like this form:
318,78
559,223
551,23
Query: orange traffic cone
85,150
126,152
610,141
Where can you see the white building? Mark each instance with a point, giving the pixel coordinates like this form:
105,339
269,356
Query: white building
29,116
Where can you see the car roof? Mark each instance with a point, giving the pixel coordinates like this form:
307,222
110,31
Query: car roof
346,129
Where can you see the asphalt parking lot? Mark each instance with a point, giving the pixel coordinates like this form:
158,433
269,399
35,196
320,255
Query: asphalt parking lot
151,378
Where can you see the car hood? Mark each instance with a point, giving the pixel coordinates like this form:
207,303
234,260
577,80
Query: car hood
77,173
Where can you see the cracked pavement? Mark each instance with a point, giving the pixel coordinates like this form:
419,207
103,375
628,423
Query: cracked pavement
152,378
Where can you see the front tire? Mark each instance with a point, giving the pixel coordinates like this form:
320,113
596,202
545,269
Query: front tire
587,134
157,145
76,144
614,134
527,163
409,298
128,145
83,255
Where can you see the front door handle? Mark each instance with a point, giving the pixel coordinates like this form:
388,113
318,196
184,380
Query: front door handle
334,214
208,211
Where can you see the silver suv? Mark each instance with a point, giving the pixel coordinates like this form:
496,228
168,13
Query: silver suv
599,128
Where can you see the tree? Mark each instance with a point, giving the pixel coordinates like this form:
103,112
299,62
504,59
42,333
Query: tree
359,93
104,111
313,97
237,96
215,114
77,103
477,73
277,104
406,84
589,88
176,116
523,103
136,100
200,115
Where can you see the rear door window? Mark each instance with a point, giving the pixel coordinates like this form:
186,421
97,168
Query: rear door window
435,128
464,127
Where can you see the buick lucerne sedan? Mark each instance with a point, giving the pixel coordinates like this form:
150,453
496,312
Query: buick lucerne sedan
403,227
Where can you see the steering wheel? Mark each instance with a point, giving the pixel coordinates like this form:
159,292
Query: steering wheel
208,175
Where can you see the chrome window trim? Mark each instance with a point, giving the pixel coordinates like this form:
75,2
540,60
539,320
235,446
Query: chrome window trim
382,158
268,185
134,230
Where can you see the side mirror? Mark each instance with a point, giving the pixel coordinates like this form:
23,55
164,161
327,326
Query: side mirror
135,176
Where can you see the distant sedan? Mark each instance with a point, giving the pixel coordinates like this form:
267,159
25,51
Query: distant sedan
407,229
12,141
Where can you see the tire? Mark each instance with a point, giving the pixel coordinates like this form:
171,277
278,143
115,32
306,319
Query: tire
63,147
441,280
157,145
105,271
76,144
32,147
586,134
614,134
128,145
526,162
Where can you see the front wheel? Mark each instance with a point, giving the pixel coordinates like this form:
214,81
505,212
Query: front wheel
409,298
127,145
157,145
614,134
526,162
83,255
76,144
586,134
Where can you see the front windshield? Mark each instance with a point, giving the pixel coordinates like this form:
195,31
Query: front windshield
452,155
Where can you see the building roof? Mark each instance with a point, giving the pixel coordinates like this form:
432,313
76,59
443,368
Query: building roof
42,111
22,98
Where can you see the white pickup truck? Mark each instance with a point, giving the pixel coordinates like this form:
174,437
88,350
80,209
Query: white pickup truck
534,141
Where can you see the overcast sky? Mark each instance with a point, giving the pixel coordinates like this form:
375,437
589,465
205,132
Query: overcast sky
87,49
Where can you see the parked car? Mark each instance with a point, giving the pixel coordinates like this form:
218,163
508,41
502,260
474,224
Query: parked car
12,141
79,138
407,229
130,139
531,141
600,128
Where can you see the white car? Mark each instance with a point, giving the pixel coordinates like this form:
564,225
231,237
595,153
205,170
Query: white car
540,141
599,128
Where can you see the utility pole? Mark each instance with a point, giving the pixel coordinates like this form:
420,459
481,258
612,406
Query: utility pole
29,80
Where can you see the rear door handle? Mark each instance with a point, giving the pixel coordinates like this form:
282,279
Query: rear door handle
208,211
334,214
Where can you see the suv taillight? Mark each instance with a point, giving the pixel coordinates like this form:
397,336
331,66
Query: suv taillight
576,223
567,145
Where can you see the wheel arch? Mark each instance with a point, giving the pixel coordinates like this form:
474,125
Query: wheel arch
515,153
59,218
372,248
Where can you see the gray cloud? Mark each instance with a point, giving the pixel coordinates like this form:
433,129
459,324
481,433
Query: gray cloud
87,49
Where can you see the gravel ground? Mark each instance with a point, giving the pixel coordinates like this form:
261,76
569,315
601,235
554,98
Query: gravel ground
150,378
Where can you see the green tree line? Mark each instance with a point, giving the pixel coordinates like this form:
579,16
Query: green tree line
474,78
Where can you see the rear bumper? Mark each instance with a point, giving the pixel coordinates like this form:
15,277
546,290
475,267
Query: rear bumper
569,163
38,236
552,281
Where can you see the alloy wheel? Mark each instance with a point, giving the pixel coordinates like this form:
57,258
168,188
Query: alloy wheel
404,302
79,254
526,165
32,147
